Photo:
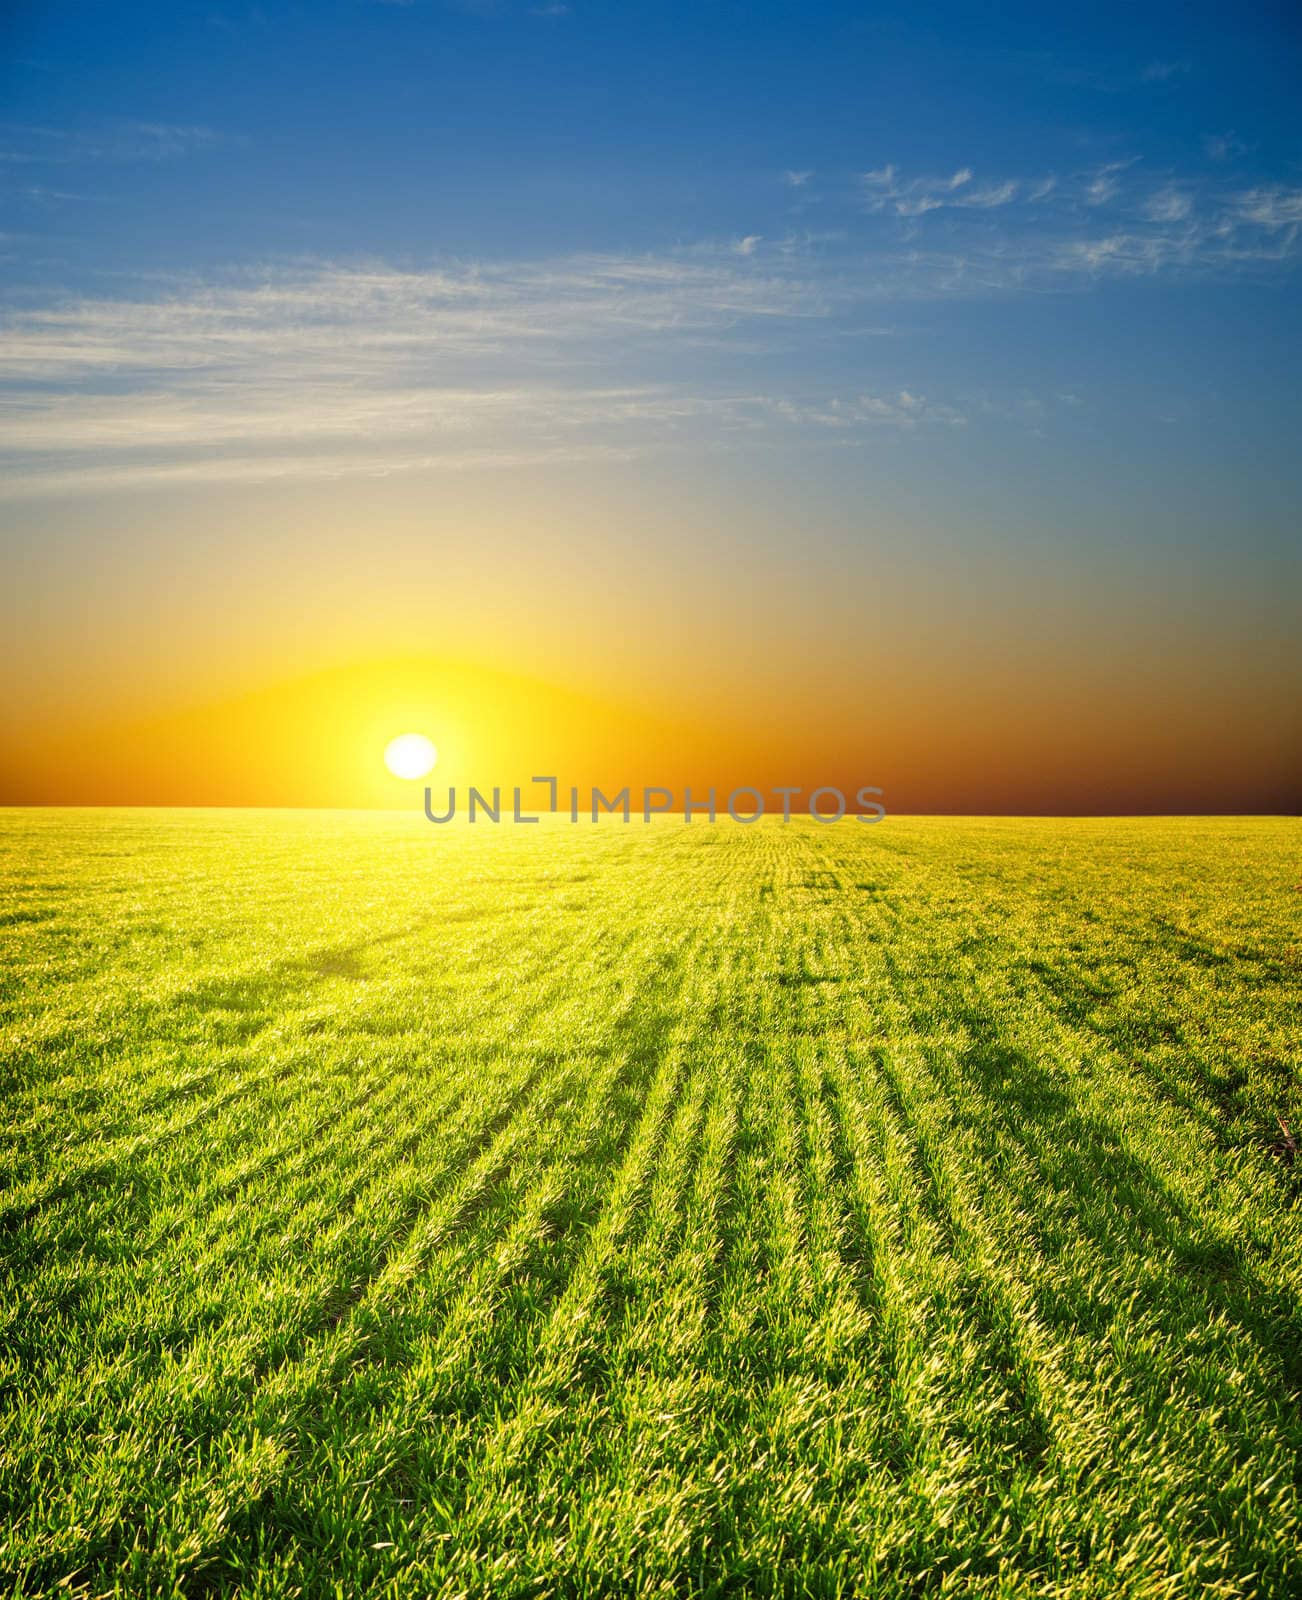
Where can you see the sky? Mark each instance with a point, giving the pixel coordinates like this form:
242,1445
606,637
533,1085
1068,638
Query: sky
662,393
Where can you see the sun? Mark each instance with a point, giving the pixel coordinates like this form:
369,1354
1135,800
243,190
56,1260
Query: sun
410,755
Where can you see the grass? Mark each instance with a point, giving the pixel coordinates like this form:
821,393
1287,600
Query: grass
890,1211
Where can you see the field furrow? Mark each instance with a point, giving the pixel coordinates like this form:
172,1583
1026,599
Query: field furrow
789,1210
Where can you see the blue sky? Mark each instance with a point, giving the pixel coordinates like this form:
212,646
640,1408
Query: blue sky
856,219
1010,294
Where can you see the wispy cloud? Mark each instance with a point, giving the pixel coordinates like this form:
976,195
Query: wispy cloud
1224,146
1112,220
1104,184
42,194
886,190
1273,207
1168,205
329,370
324,368
379,317
371,368
1164,71
28,145
1114,79
902,409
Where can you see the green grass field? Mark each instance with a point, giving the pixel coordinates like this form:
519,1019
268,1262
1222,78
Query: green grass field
892,1210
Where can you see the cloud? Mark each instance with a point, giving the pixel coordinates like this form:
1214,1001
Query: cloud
1037,232
1224,146
42,194
323,368
1271,207
96,477
1103,184
28,145
1164,71
1082,73
1044,234
884,190
329,370
359,368
1000,194
798,180
1168,205
378,317
900,410
1118,254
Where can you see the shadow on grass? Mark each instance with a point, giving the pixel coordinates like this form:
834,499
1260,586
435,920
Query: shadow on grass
998,1085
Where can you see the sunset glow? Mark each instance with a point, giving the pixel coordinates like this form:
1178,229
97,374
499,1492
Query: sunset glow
410,755
764,428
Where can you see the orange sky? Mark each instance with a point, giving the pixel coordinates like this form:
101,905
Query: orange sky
317,740
804,403
268,655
